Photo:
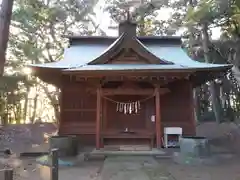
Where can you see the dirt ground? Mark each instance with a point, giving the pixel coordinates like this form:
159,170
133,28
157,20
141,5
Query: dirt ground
226,171
92,171
32,171
21,137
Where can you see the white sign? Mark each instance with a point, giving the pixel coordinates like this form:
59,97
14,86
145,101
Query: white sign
153,118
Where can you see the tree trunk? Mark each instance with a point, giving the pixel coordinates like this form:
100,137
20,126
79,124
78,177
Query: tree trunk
196,93
5,19
142,24
26,105
204,98
56,112
34,107
54,100
212,88
197,90
216,104
17,112
236,73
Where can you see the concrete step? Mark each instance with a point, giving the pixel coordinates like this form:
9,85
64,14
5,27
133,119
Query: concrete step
153,152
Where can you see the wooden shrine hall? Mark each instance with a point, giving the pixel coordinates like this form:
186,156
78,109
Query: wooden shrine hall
126,89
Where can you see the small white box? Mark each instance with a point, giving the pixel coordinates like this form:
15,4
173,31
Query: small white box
171,131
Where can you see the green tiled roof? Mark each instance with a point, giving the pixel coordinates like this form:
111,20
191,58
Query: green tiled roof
77,56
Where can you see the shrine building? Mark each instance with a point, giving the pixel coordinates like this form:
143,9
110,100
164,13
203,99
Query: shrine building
126,89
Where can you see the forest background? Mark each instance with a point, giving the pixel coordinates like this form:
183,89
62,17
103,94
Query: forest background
210,31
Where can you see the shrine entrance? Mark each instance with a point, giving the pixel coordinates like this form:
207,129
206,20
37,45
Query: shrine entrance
124,113
127,115
126,120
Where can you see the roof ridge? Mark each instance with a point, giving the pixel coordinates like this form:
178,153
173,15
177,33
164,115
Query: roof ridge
109,49
146,48
126,41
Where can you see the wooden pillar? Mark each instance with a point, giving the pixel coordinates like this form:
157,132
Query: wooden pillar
8,174
158,118
98,119
54,169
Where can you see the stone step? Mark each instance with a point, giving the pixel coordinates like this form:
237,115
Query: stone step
127,148
153,152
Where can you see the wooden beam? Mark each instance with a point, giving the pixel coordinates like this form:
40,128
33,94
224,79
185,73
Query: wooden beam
132,76
98,119
129,91
158,118
146,72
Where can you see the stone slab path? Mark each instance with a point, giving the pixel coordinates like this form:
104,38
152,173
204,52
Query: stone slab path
133,168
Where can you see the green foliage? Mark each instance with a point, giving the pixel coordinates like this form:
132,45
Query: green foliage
37,30
147,16
208,11
223,14
38,25
11,95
